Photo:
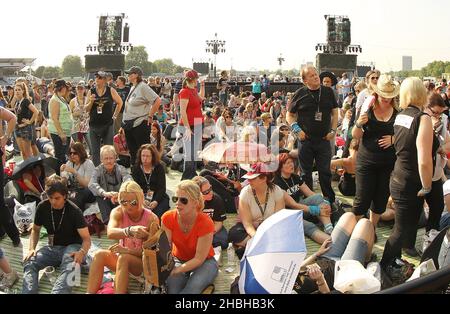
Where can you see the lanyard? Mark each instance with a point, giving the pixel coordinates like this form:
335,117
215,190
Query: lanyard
292,181
147,179
132,91
60,221
64,102
259,204
315,100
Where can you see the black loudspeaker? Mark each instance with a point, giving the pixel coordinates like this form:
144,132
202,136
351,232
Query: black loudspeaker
201,67
108,63
336,63
126,33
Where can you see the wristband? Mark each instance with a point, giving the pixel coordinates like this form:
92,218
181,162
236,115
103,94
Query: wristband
358,125
296,128
314,210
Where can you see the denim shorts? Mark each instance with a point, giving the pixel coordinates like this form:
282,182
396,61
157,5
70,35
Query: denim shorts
344,248
1,253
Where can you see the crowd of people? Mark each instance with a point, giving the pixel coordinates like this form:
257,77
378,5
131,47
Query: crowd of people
115,140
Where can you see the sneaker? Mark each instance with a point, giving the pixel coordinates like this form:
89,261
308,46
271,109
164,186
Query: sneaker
217,253
209,290
336,211
9,280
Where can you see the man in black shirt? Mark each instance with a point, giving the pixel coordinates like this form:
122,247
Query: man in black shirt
215,208
123,91
68,237
313,116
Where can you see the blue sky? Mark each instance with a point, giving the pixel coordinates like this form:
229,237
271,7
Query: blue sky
256,32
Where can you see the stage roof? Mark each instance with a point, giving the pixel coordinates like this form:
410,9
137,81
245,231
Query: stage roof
16,64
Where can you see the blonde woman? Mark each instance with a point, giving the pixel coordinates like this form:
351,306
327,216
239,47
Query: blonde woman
191,122
129,225
412,177
376,154
371,80
26,116
190,231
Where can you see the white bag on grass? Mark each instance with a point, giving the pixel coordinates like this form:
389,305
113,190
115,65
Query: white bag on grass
351,277
24,215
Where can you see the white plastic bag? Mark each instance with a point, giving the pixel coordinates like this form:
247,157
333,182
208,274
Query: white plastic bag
351,277
24,215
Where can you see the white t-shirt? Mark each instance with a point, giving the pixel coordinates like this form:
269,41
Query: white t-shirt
247,197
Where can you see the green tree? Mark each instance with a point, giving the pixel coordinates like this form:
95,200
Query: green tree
165,66
52,72
39,71
138,57
71,66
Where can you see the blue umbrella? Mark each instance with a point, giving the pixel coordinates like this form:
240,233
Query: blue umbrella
272,258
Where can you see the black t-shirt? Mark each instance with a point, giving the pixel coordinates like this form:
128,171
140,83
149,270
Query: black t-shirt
306,103
22,110
105,102
291,185
215,208
123,93
72,220
369,150
223,82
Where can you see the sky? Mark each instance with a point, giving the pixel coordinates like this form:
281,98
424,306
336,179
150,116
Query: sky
256,32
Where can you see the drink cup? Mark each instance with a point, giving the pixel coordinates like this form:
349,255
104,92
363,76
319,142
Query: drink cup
50,272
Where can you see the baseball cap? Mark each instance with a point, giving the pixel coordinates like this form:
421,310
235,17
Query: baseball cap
191,74
61,83
256,170
100,74
136,70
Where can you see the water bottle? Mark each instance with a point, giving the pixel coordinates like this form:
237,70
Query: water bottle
230,257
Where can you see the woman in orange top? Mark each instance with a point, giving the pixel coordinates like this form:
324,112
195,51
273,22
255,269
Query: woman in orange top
190,232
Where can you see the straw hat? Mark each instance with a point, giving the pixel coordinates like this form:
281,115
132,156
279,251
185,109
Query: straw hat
387,87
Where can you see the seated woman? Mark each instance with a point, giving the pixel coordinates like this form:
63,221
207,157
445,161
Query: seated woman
313,204
150,175
347,185
78,172
157,139
190,232
350,240
257,202
32,184
128,224
106,181
214,208
120,145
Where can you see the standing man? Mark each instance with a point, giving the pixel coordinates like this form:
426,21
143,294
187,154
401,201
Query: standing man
343,88
313,116
102,114
222,86
265,85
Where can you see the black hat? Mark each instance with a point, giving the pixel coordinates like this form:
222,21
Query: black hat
60,84
136,70
9,87
330,75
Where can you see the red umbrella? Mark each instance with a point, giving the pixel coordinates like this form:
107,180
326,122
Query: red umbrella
237,153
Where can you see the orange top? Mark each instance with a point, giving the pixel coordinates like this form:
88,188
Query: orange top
184,245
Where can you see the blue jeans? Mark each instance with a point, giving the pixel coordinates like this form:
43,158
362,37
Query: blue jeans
343,247
51,256
221,238
193,282
99,135
308,227
190,149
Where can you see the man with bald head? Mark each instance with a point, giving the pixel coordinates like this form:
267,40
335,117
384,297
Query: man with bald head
313,116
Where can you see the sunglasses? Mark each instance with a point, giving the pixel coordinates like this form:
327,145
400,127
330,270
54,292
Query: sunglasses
132,203
207,191
73,153
435,113
183,200
374,78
